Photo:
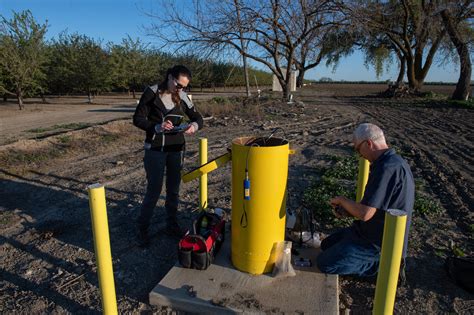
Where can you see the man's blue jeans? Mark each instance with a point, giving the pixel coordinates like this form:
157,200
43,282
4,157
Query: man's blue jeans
155,164
344,253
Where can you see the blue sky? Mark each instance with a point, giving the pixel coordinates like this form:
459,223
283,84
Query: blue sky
113,20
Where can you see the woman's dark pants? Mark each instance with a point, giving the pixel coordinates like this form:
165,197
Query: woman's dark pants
156,163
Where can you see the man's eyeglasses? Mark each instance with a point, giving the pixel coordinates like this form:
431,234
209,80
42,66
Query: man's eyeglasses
357,148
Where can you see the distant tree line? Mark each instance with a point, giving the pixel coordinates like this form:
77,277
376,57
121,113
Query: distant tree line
75,63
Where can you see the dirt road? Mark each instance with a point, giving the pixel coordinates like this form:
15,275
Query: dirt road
46,250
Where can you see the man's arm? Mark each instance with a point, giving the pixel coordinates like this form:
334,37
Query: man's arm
356,209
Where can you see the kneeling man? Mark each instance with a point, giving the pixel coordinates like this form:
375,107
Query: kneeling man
356,250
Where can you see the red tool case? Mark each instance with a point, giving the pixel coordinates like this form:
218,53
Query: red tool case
198,249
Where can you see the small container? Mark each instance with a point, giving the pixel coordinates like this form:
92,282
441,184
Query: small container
303,262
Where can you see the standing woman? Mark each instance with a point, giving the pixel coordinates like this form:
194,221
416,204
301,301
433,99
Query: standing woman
160,110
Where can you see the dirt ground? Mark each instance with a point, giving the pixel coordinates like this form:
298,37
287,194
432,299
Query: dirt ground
46,248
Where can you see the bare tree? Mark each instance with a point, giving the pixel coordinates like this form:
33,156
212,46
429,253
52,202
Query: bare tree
460,32
271,30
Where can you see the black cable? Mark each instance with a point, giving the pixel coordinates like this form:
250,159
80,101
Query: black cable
273,132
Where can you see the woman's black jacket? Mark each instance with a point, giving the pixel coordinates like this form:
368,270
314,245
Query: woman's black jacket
150,111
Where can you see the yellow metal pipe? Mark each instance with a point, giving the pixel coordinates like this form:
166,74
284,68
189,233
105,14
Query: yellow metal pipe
206,168
100,230
203,178
390,260
362,178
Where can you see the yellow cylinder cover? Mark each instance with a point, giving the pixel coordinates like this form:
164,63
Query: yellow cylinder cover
259,223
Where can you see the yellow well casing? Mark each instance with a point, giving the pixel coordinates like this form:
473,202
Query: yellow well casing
255,235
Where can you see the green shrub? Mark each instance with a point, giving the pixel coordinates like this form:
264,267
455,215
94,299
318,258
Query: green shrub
337,180
463,104
426,206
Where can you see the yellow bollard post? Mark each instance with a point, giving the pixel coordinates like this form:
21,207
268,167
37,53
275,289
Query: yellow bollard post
203,178
100,230
362,178
390,260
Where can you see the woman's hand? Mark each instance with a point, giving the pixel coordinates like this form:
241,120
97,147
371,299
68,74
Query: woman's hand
190,130
167,125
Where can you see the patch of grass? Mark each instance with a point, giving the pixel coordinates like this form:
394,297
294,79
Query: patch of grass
220,100
337,180
426,206
463,104
471,229
419,184
6,218
344,168
64,139
107,138
458,252
433,96
39,130
340,180
71,126
227,107
25,157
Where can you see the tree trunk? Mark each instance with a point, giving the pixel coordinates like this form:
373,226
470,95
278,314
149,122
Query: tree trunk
244,49
246,75
285,88
401,73
413,82
89,97
300,78
462,90
19,96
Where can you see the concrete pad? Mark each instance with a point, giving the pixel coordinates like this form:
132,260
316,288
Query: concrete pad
222,289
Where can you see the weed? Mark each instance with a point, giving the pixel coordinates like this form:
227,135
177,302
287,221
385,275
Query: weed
458,252
225,107
344,168
39,130
338,180
71,126
220,100
65,139
25,157
463,104
107,138
471,229
5,218
419,184
426,206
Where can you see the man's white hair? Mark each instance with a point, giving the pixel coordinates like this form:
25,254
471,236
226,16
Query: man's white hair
367,131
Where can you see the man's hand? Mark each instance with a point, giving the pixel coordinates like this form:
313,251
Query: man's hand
337,201
338,209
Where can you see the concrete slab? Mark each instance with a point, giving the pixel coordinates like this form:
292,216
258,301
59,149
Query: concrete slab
221,289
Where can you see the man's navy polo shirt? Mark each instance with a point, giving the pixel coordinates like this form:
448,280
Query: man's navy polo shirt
390,186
